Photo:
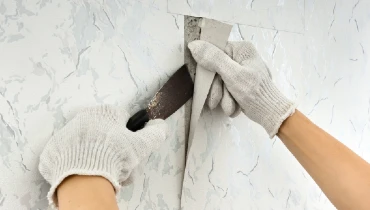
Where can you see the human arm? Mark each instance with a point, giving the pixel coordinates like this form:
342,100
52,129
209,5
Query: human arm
342,175
97,143
86,193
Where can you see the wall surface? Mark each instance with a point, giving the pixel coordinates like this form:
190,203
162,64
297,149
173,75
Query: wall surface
232,164
287,15
57,57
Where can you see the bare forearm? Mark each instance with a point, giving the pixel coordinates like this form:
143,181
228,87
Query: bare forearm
342,175
86,193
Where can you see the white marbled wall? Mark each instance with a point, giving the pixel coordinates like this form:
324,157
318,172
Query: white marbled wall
325,69
59,56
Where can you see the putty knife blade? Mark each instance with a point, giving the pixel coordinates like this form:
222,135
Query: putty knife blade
174,93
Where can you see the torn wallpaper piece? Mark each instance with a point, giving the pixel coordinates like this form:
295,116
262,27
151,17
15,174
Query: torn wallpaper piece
285,15
216,33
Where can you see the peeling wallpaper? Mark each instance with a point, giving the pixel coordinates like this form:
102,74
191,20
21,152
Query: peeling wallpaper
284,15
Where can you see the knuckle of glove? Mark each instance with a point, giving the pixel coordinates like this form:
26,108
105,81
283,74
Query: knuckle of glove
242,51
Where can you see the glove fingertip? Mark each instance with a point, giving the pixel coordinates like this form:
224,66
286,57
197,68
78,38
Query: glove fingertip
212,103
228,103
228,108
158,124
201,50
215,94
195,45
237,111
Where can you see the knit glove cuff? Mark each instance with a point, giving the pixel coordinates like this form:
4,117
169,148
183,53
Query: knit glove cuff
270,107
94,159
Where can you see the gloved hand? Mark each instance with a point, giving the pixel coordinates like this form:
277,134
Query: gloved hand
97,142
220,95
248,79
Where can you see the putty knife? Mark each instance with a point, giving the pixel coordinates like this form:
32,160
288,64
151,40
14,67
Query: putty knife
174,93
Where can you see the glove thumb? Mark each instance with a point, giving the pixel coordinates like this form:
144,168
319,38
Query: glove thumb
148,139
213,59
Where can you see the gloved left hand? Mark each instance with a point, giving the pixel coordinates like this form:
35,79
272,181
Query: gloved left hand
96,142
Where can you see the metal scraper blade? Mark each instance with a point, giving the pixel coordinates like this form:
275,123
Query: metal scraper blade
174,93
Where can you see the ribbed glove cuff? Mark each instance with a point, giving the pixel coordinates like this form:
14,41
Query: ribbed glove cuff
272,107
96,159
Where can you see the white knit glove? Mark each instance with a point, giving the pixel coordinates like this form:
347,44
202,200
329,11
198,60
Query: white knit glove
96,142
248,80
220,95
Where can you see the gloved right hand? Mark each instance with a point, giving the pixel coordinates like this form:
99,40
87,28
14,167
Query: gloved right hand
248,79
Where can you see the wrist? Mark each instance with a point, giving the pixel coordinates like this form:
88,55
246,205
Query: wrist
86,192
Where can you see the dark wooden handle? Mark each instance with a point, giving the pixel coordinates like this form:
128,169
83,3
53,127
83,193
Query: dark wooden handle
138,120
